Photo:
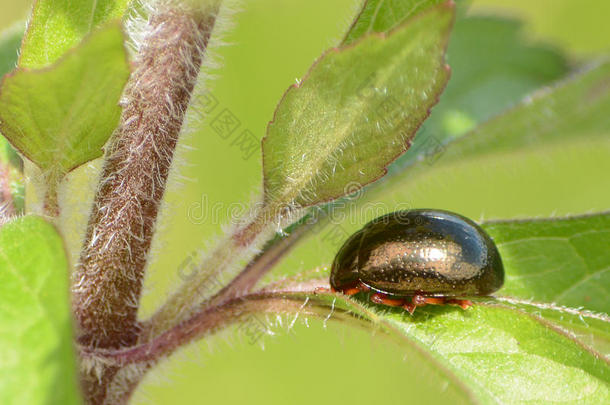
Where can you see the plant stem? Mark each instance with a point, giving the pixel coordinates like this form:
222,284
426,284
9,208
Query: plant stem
108,281
213,318
236,247
51,201
260,265
246,279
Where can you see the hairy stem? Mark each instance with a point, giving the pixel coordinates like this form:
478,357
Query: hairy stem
213,318
260,265
108,281
51,201
203,283
246,279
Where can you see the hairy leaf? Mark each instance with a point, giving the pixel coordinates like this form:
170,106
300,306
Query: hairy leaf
60,116
355,112
38,364
58,25
383,15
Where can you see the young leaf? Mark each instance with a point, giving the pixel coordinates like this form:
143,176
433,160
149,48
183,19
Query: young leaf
59,117
58,25
557,269
383,15
38,364
500,354
356,111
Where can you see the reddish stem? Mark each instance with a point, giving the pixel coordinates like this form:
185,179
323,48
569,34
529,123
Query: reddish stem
108,281
208,320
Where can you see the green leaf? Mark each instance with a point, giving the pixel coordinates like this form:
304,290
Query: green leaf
355,112
58,25
38,364
59,117
566,262
558,269
588,328
507,68
10,40
382,15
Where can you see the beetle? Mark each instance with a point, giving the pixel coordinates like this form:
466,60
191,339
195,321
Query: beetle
416,257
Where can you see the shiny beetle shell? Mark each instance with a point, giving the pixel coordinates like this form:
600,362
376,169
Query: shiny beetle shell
426,252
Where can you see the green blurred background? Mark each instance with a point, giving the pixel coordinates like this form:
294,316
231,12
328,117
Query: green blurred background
273,43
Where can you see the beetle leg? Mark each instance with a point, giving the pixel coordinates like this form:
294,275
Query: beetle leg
360,287
351,291
465,304
420,300
322,290
409,307
434,301
380,298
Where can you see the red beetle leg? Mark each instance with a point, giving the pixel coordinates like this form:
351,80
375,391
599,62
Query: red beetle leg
434,301
418,300
379,298
409,307
360,287
351,291
465,304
